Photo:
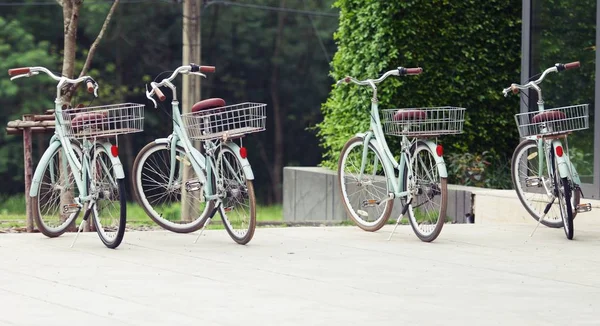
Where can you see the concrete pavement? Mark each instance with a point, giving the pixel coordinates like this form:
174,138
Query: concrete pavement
473,274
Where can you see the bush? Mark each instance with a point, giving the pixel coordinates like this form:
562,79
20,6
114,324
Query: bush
469,51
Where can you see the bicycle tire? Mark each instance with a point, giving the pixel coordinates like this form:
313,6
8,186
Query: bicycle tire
234,190
431,188
351,212
106,190
564,195
142,199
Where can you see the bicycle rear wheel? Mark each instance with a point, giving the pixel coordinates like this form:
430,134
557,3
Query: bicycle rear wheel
361,190
177,205
109,211
429,193
535,188
562,189
239,203
54,209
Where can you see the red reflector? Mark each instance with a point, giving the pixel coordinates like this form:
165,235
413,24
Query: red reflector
439,150
243,152
114,150
559,151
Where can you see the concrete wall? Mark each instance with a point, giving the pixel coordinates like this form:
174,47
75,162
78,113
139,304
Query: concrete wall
311,194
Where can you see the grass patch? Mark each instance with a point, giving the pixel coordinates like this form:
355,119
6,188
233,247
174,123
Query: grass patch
12,214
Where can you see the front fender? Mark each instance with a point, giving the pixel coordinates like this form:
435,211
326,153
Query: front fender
244,161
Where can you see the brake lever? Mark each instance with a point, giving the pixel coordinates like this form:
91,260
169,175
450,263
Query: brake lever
149,96
197,73
29,74
96,89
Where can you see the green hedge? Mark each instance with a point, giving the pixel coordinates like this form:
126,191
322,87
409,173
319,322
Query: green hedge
469,51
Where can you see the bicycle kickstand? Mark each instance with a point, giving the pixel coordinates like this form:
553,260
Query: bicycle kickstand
404,209
543,216
212,214
86,216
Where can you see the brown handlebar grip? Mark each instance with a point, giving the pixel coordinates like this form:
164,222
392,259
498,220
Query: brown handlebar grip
572,65
18,71
207,69
90,87
159,94
514,89
414,71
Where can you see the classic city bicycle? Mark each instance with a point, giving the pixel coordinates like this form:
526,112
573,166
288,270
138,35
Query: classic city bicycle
544,178
81,169
366,167
180,188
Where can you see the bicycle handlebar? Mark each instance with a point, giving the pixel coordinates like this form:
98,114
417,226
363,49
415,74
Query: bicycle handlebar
400,71
533,84
92,86
191,69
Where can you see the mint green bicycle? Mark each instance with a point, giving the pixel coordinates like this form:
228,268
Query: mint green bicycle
172,178
366,168
543,176
81,169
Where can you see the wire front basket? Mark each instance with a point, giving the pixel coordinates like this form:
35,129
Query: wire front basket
103,121
226,122
553,121
421,122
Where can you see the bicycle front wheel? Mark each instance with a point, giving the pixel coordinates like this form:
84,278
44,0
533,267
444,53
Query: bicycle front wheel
362,190
172,199
428,191
109,211
239,203
536,188
54,206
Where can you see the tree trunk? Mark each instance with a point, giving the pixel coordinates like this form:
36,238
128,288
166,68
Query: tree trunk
277,111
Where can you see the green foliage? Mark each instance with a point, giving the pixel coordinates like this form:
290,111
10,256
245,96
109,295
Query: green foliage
469,51
18,48
479,170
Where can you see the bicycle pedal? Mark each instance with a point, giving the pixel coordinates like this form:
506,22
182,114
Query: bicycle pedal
193,186
582,208
70,208
183,160
533,182
369,203
362,213
532,156
228,209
